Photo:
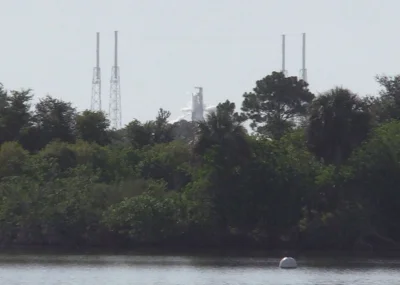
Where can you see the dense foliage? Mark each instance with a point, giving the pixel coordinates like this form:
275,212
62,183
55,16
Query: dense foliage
317,172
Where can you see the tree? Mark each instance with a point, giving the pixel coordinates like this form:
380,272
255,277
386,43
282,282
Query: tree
61,153
149,218
375,177
276,103
389,101
12,159
184,130
55,119
339,122
138,134
279,170
151,132
168,162
223,129
92,127
322,175
163,131
222,146
15,114
3,97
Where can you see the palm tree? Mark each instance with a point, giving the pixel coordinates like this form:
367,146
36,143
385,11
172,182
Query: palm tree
339,121
223,129
221,144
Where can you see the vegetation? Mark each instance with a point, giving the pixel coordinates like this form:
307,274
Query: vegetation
317,172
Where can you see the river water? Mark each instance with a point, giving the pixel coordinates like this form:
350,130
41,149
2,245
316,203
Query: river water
197,270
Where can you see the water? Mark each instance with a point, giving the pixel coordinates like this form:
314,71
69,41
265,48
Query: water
187,270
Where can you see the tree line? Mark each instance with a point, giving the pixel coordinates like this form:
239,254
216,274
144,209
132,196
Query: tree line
315,172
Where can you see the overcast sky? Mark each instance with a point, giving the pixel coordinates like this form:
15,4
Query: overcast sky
169,46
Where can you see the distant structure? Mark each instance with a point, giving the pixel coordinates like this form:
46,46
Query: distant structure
197,110
95,104
115,110
303,70
198,105
284,71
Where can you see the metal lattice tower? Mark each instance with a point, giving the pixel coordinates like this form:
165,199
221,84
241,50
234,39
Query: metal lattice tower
95,104
303,71
115,111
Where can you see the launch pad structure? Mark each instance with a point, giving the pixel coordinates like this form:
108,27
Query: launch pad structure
197,109
303,70
95,104
198,105
114,109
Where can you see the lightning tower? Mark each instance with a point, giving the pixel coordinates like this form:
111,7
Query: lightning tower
284,71
115,111
303,71
198,105
95,104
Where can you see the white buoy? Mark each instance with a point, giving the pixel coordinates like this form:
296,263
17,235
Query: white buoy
288,263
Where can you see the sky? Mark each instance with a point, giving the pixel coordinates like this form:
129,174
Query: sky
167,47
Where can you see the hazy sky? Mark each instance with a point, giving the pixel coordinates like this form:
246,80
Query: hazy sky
166,47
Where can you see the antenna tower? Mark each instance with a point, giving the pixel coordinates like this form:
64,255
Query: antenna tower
303,71
95,104
115,111
284,71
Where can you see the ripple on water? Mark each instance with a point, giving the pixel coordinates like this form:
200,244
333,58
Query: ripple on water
184,270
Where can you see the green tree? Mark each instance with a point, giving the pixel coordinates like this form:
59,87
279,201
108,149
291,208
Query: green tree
339,122
151,217
151,132
184,130
15,114
67,179
169,162
222,129
119,137
374,178
61,153
12,159
139,134
55,119
221,143
389,100
279,170
3,97
276,103
163,130
92,127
